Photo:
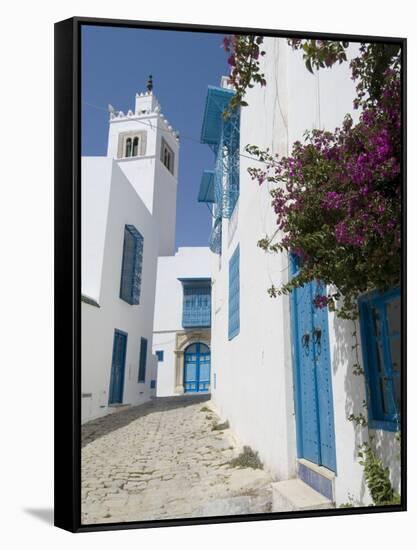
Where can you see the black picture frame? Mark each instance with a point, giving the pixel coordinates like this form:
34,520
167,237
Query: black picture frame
68,279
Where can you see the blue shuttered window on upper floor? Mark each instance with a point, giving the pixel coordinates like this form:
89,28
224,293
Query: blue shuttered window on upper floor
380,320
234,295
142,359
160,355
131,277
196,305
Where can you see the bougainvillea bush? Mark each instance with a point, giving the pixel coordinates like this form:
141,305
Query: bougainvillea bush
337,198
244,53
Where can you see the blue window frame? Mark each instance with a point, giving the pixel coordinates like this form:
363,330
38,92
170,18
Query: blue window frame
196,311
234,295
380,316
142,359
131,278
160,355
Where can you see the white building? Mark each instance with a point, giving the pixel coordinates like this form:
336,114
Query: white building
289,405
181,338
128,220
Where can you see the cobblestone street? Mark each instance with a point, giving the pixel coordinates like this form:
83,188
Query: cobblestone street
163,460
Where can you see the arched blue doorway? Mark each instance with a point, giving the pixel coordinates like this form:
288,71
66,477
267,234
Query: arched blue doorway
197,368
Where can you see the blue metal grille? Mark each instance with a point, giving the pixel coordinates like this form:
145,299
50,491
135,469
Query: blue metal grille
196,306
234,295
142,359
216,237
226,173
131,277
222,134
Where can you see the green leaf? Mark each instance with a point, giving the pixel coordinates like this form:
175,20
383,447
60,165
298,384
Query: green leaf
308,65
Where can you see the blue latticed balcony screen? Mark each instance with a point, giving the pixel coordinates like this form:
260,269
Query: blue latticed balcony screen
215,242
131,277
220,187
226,172
196,310
234,295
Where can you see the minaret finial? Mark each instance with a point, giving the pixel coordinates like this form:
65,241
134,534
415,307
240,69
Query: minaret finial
149,85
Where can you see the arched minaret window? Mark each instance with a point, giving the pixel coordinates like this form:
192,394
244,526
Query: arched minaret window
128,151
131,144
135,146
167,156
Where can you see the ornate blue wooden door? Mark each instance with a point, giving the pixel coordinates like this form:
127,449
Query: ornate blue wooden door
117,375
313,385
197,368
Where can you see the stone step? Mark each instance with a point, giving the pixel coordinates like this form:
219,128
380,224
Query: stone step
294,494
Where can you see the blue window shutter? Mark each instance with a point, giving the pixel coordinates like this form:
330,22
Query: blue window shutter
196,306
234,295
131,278
142,359
153,384
380,321
160,355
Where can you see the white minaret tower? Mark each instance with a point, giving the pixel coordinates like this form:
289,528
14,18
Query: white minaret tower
146,147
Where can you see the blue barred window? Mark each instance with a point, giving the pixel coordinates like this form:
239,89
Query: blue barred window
131,278
196,305
234,295
142,359
380,319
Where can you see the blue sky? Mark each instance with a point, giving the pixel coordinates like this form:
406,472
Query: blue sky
116,63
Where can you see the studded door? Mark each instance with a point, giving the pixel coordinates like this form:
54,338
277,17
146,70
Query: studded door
313,385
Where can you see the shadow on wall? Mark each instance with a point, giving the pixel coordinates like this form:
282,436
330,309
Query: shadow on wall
346,355
389,448
90,431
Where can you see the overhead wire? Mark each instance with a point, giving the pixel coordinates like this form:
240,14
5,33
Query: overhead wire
149,125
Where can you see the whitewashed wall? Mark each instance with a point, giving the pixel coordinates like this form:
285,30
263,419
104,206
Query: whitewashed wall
96,173
254,385
188,262
121,206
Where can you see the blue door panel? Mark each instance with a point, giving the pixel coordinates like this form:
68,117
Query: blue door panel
117,374
313,385
324,384
191,371
308,402
197,368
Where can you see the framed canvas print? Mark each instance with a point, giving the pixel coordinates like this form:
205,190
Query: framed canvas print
230,282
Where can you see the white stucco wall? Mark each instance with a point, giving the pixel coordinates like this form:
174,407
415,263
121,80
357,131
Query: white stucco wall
254,373
98,324
94,209
188,262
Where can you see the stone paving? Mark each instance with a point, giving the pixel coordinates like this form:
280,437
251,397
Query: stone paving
163,460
